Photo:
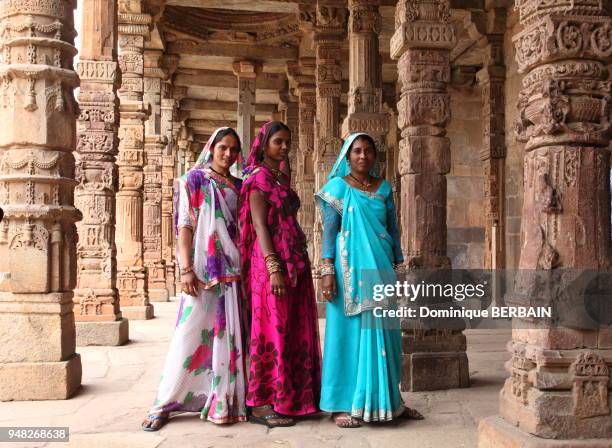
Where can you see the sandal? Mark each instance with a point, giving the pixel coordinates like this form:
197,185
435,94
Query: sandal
344,420
412,414
151,418
272,415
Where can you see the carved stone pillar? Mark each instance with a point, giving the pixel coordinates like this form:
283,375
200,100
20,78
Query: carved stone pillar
290,116
98,316
365,107
191,154
559,384
492,80
152,213
38,234
183,145
155,143
131,276
328,37
422,42
246,72
168,112
305,181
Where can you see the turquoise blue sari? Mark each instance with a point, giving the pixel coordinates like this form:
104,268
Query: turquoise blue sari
362,353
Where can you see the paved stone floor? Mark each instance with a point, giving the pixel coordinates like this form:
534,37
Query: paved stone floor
119,385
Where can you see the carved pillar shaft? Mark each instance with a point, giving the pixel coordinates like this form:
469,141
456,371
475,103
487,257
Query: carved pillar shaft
559,384
155,143
365,108
168,111
290,111
38,234
191,154
422,42
246,72
329,34
132,283
99,320
492,79
306,176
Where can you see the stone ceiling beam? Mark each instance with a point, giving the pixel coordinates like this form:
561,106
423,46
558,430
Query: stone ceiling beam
239,5
222,106
209,126
219,78
232,50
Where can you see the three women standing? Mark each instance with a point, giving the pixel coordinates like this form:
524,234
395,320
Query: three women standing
204,371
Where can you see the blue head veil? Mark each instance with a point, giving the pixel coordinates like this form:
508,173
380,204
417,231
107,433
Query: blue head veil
342,168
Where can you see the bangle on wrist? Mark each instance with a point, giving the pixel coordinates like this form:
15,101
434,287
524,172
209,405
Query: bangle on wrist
328,269
273,263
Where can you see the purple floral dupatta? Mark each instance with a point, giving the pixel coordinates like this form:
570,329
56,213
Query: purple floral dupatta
209,201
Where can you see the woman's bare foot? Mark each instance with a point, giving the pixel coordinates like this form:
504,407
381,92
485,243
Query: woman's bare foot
154,422
345,420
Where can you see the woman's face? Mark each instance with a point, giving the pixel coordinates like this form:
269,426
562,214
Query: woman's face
278,145
226,152
362,156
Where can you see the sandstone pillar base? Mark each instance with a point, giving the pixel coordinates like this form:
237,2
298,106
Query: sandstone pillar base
435,371
40,380
159,295
139,312
108,333
495,432
435,361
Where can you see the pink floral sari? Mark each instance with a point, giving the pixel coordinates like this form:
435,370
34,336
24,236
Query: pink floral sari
285,356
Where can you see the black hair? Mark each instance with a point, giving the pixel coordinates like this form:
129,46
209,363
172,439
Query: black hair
273,128
223,133
365,137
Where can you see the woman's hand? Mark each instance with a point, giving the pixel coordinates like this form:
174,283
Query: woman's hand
189,283
277,284
328,287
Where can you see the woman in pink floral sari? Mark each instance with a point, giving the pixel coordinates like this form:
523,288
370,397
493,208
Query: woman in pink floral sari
204,369
285,357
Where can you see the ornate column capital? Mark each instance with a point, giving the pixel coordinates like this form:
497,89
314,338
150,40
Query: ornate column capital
364,17
330,23
246,69
422,24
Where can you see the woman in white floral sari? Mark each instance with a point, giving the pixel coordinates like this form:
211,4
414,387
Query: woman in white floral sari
204,369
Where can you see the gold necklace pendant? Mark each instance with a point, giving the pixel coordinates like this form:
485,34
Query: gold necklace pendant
366,185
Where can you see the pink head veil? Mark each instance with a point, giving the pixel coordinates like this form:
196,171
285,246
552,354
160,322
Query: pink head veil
258,146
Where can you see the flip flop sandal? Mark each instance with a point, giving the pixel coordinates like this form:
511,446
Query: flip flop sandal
412,414
152,418
350,421
265,420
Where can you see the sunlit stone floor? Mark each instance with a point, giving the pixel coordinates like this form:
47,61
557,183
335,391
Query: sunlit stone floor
119,385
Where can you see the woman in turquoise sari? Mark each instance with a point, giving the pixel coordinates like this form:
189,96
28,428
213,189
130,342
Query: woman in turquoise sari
362,353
